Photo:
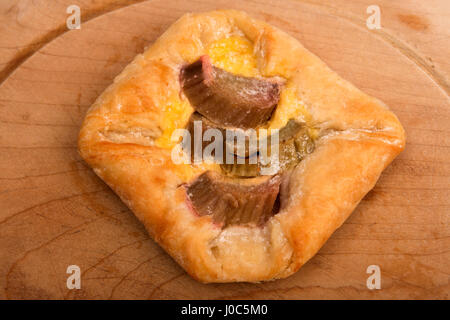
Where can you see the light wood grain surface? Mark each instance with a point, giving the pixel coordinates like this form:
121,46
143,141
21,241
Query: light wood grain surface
54,211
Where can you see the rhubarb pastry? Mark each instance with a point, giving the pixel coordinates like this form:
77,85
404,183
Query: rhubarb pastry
238,221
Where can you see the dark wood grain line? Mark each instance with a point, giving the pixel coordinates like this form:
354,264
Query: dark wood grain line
124,277
24,256
28,50
48,202
164,283
45,175
102,259
55,125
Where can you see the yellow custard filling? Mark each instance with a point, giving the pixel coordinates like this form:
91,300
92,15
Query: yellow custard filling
234,54
175,116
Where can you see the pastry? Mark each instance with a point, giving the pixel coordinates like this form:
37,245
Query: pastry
233,222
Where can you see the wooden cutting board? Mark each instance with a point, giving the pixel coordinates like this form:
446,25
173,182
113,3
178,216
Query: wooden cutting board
54,211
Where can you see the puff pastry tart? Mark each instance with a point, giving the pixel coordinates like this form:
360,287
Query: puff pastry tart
227,222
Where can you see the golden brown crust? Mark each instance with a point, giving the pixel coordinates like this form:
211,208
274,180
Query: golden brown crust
359,137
